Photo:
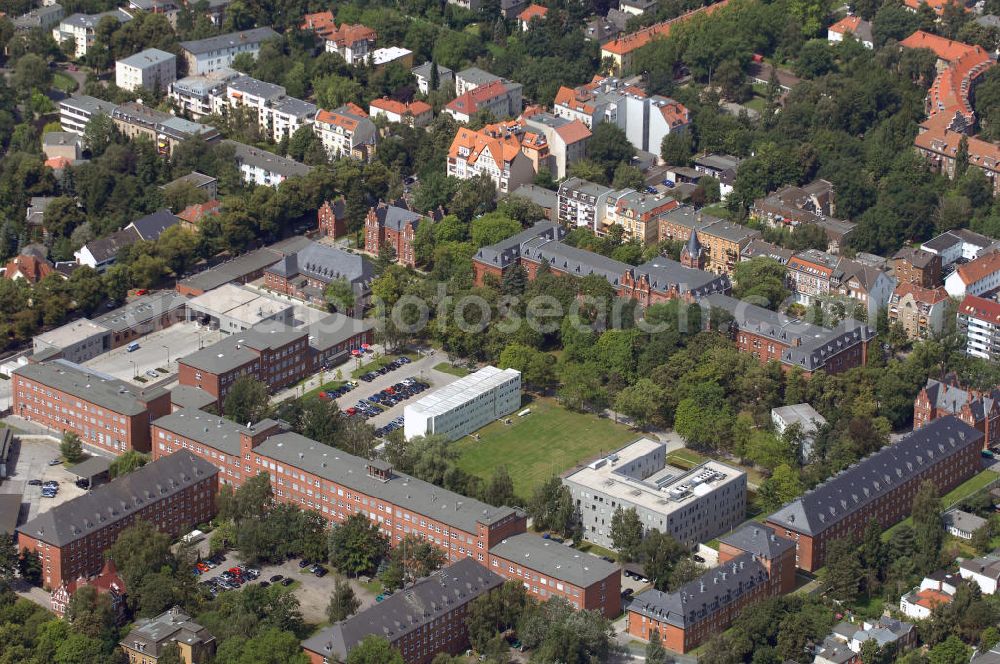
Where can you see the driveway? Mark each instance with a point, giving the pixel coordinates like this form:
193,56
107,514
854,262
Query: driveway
30,460
421,370
312,592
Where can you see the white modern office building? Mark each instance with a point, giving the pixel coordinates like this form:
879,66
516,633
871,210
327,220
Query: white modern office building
690,505
468,404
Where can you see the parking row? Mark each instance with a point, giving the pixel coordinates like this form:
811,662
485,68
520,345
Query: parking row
381,371
385,399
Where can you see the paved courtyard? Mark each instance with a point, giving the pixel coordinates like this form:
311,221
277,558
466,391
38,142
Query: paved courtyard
177,341
30,461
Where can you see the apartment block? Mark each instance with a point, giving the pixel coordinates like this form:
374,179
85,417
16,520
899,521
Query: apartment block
261,167
722,242
498,151
346,132
958,244
920,311
423,75
880,487
583,203
691,506
413,114
567,139
548,569
979,277
165,131
151,69
278,115
638,214
979,320
81,29
394,226
196,96
425,620
500,98
104,412
754,564
816,275
173,494
979,409
468,404
917,266
207,55
351,42
811,204
77,110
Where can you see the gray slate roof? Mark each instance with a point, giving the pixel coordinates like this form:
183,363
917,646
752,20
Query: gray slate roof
410,609
152,226
665,274
87,105
172,626
257,88
188,396
142,309
555,560
227,41
147,58
424,71
268,161
707,595
347,470
106,248
875,475
396,218
234,351
90,21
544,198
963,521
97,388
325,263
245,264
119,499
212,430
759,540
508,251
336,328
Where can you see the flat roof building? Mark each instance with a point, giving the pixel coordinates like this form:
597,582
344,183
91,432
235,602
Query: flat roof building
77,110
233,309
465,405
151,69
691,506
435,603
207,55
105,412
76,341
173,493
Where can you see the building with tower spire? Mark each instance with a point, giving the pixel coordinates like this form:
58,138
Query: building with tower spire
691,255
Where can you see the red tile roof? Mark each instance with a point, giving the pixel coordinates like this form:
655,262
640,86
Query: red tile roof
399,108
58,163
980,308
979,269
198,211
630,42
937,5
946,49
321,23
573,132
920,294
846,25
30,268
469,103
533,11
929,598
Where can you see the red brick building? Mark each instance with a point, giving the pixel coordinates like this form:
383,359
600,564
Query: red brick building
917,267
879,488
754,564
978,409
548,569
331,218
174,494
108,582
427,619
393,226
305,274
274,354
105,413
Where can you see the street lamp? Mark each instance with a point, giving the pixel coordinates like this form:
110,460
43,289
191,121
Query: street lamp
135,368
167,348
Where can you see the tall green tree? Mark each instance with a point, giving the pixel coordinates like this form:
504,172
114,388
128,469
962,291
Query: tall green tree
357,544
246,401
928,532
626,533
343,602
374,649
71,447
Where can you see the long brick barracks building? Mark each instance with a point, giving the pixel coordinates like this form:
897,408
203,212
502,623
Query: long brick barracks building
978,409
880,487
336,484
658,280
174,493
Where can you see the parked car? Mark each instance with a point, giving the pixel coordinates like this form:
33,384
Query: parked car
276,578
287,581
304,563
55,462
264,584
320,572
697,558
34,482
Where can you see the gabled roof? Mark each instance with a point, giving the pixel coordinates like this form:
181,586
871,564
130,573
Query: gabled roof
31,268
979,269
759,540
554,560
396,218
533,11
638,39
946,49
325,264
469,103
876,475
107,248
928,296
980,309
507,251
152,226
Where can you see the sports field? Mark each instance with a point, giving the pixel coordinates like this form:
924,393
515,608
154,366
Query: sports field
550,440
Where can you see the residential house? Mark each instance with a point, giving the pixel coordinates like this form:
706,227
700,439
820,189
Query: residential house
381,58
199,181
319,23
62,144
722,167
978,409
495,151
983,571
471,78
194,215
197,96
920,311
346,132
531,13
917,266
544,198
99,254
30,268
145,642
762,249
351,42
423,75
414,113
583,203
843,645
962,524
636,7
81,29
812,274
939,144
500,98
806,418
40,18
265,168
855,26
278,115
393,226
880,487
331,218
108,582
979,277
567,140
207,55
979,321
935,590
722,242
813,203
638,214
151,69
957,245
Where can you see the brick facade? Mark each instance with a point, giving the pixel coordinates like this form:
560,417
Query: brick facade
978,409
331,218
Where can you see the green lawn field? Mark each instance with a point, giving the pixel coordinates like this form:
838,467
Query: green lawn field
549,441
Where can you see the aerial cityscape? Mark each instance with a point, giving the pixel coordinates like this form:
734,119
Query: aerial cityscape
504,332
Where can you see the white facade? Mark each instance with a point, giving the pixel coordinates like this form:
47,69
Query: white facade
464,406
984,572
151,69
80,29
803,415
207,55
507,177
278,115
969,279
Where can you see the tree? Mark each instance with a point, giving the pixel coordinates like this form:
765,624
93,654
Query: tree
949,651
251,501
676,148
626,533
609,146
843,569
493,228
31,73
247,401
374,649
91,614
170,654
928,533
760,281
655,654
71,448
660,553
357,544
641,402
127,462
500,490
29,567
782,486
339,295
343,603
8,559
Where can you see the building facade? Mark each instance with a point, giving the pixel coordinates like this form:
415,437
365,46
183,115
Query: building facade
173,494
495,151
260,167
920,311
145,642
346,132
917,267
979,321
979,409
393,226
879,488
151,69
104,412
207,55
721,241
691,506
465,405
582,203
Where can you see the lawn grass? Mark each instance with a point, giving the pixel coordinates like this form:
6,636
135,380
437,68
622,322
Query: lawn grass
685,458
380,362
449,368
756,104
548,441
64,82
597,550
952,498
717,210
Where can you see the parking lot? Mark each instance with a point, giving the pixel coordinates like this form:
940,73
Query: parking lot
312,592
177,341
30,461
